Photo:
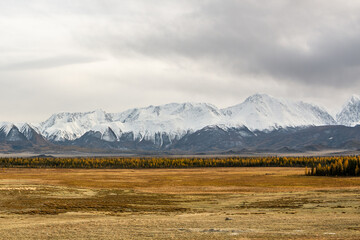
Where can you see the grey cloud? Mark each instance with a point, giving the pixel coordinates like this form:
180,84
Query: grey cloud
244,37
153,52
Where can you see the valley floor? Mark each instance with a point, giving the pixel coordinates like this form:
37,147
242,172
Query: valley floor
211,203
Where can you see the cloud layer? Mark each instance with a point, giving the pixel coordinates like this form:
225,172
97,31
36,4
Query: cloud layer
77,56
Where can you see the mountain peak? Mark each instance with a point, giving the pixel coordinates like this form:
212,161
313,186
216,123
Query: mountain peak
259,97
6,127
99,111
261,111
258,112
354,99
350,113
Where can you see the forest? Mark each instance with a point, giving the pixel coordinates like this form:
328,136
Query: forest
314,166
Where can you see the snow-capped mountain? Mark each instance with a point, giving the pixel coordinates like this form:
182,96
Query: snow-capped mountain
262,112
70,126
21,137
28,130
5,128
261,123
173,119
350,113
258,112
19,132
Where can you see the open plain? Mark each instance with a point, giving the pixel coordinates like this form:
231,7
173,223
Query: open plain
202,203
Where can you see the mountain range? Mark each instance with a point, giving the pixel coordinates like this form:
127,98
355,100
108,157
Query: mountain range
260,123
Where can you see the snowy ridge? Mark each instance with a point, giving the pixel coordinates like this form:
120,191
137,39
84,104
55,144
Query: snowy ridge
169,122
258,112
173,119
262,112
27,130
70,126
5,127
14,132
350,113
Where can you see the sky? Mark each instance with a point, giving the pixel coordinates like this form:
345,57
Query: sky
77,56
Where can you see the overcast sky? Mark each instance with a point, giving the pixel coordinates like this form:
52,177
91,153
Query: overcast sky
64,55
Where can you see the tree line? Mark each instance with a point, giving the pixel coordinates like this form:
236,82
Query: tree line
339,167
316,166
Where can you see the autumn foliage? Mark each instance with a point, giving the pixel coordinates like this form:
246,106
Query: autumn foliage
317,166
340,166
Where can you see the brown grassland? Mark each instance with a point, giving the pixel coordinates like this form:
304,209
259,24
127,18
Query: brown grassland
196,203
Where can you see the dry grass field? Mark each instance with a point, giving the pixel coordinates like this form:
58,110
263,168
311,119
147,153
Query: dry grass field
204,203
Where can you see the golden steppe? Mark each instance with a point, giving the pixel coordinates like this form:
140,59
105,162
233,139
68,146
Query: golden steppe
202,203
